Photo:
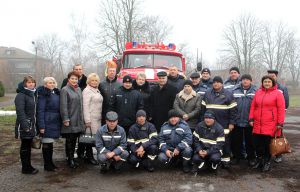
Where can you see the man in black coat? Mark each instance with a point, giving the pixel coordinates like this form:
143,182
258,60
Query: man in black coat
108,87
161,100
175,79
82,78
127,102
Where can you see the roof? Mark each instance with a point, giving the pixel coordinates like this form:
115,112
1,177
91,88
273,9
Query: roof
16,53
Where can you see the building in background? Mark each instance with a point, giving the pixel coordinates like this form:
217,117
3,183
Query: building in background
16,63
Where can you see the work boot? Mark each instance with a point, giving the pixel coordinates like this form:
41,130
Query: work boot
117,165
103,168
225,165
89,156
149,165
185,166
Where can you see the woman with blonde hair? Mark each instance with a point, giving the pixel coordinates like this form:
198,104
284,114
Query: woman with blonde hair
48,119
92,109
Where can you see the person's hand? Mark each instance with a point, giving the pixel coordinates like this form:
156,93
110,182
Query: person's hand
230,127
168,153
185,117
140,151
109,155
42,132
117,158
176,152
251,123
67,123
202,153
88,125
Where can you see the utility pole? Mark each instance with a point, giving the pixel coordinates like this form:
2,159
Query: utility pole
35,61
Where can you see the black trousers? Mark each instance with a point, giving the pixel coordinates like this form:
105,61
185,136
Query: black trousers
238,135
262,148
25,154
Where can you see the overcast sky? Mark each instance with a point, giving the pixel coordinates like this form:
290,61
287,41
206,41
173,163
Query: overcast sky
197,22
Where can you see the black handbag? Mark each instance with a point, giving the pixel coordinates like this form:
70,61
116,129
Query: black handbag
87,138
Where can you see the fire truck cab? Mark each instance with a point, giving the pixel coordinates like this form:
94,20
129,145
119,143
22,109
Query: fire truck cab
150,59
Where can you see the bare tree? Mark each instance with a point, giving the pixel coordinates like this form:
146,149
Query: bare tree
275,42
242,42
81,50
117,22
153,30
293,60
51,47
120,21
190,58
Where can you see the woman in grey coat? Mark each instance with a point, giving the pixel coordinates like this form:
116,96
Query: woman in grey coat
188,104
72,116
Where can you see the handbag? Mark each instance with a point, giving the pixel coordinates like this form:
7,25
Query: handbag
36,142
279,145
87,138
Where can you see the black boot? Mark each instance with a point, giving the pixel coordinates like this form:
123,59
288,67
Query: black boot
47,158
89,156
26,162
70,148
186,165
51,155
149,165
258,163
80,150
266,166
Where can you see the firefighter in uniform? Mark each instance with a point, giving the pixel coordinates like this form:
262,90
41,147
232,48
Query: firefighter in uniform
142,142
208,140
111,143
206,81
175,140
222,103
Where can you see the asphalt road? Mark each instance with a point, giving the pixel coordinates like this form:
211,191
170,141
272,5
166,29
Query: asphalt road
283,177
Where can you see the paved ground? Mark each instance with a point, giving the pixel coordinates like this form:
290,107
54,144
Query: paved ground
282,177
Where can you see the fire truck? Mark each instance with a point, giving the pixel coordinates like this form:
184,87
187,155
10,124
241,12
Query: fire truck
150,59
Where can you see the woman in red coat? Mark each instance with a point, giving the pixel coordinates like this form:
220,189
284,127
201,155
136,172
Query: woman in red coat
266,114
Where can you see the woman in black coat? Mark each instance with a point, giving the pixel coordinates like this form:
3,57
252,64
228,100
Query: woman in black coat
143,86
48,119
25,129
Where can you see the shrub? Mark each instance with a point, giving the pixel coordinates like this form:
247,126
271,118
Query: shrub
2,90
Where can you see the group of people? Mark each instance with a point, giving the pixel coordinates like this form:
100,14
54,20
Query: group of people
200,122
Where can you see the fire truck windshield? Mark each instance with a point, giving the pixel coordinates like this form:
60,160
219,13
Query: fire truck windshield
151,61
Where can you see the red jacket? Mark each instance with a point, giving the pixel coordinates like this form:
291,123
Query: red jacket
267,111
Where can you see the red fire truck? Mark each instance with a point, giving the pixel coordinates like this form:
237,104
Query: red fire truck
150,59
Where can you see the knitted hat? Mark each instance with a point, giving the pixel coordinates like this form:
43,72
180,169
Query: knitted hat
246,76
234,69
205,70
218,79
127,79
173,113
209,114
140,113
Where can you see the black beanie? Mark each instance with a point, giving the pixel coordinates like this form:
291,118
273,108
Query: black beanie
127,79
188,82
173,113
234,69
218,79
209,114
246,76
140,113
